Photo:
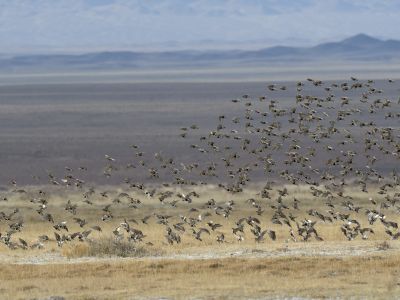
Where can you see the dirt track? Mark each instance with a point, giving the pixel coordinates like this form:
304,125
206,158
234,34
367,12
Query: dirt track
328,249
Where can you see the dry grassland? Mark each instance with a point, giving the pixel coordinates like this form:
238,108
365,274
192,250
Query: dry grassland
334,268
374,277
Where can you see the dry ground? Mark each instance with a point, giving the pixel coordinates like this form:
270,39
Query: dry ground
334,268
374,276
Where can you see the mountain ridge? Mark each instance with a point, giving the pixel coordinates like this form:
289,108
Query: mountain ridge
355,48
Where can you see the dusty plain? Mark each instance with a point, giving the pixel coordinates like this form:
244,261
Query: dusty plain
49,131
280,269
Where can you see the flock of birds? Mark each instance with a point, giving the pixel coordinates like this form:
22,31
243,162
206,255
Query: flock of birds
347,137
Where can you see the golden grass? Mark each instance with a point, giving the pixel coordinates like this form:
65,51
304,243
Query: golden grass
374,277
107,247
272,268
35,226
75,250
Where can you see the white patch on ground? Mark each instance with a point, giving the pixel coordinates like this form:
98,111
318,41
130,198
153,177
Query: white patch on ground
294,250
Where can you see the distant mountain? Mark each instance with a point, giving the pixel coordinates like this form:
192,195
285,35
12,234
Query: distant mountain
360,47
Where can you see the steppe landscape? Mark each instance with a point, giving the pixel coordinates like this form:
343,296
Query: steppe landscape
199,149
280,190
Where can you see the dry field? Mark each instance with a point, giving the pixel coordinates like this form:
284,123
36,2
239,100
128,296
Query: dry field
280,269
289,191
374,276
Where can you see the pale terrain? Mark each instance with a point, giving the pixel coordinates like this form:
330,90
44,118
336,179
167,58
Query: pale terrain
281,269
300,181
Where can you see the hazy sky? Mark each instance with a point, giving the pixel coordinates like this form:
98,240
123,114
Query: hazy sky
58,25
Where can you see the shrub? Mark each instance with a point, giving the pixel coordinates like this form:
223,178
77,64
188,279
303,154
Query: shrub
383,246
108,246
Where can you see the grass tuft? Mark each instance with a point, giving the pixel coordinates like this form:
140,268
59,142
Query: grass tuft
107,247
383,246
